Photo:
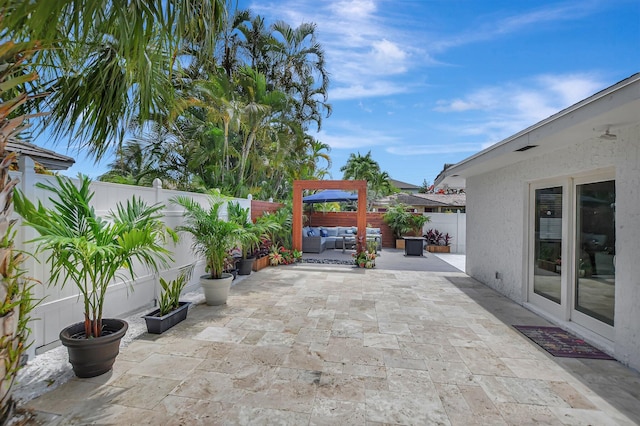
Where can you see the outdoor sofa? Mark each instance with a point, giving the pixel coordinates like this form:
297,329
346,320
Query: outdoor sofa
319,239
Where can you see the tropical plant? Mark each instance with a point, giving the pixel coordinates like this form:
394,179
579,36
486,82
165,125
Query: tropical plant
366,258
16,301
402,221
364,167
254,231
437,238
109,60
89,251
213,237
171,290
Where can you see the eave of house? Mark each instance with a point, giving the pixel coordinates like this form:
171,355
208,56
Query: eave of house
50,160
615,107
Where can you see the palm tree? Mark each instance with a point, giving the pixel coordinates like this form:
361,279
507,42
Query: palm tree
299,70
110,60
359,167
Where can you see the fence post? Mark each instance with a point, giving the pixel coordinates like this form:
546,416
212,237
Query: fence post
27,186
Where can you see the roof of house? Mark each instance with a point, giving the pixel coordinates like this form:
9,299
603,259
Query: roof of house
426,200
593,117
49,159
403,185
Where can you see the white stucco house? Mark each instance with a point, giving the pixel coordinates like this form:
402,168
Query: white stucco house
553,218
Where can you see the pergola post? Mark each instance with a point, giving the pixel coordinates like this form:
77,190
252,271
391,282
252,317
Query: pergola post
345,185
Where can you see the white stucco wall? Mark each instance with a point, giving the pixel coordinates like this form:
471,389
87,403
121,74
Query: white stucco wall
496,220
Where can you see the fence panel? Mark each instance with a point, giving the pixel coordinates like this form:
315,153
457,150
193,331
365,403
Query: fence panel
453,223
61,305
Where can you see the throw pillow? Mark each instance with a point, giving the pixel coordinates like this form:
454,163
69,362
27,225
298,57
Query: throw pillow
324,233
311,233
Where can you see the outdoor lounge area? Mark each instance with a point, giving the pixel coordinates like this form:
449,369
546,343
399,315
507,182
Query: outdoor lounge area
319,239
333,344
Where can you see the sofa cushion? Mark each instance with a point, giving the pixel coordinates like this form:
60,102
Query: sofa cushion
305,231
373,231
332,232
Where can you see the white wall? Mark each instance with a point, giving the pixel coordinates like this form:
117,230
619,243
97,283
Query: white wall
61,306
453,223
497,209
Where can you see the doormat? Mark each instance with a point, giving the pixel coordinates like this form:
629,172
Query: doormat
560,343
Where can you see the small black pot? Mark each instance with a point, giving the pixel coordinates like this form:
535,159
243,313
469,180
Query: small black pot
157,324
93,357
245,266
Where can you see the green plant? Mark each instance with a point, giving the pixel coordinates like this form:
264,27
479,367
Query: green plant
366,258
169,298
437,238
88,250
254,231
402,221
16,301
213,237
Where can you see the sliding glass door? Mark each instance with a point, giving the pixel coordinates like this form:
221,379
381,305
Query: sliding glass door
595,250
572,243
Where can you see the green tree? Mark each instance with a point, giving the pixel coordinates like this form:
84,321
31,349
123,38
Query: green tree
109,60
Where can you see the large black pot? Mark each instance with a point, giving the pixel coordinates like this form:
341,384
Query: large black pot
93,357
245,266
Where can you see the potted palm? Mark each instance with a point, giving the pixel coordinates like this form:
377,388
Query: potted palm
253,236
402,222
213,238
90,252
170,310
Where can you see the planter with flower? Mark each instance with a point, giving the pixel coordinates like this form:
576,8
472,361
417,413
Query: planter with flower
283,256
91,252
437,242
366,258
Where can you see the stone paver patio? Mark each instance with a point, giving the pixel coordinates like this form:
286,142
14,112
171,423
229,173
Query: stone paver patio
315,344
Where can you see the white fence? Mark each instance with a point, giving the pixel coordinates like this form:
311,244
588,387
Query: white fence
61,306
453,223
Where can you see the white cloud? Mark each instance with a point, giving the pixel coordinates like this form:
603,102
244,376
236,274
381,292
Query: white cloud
503,110
349,135
368,90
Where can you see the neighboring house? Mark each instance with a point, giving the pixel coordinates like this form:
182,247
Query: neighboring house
554,218
404,186
425,203
48,159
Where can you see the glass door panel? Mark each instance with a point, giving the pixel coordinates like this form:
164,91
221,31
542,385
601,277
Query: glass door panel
547,273
595,250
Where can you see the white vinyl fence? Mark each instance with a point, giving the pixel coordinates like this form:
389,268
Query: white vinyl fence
453,223
61,306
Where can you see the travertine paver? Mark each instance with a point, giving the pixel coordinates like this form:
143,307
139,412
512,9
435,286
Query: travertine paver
327,345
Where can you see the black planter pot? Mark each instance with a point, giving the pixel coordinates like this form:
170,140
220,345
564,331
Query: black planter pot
157,324
245,266
93,357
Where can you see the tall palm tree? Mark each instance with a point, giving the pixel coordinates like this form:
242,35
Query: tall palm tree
299,70
110,60
360,167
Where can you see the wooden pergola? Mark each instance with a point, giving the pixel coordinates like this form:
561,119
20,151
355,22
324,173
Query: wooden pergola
346,185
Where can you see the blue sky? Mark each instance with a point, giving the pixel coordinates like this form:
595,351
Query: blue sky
420,83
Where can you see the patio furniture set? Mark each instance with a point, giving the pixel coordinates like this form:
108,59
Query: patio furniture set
319,239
